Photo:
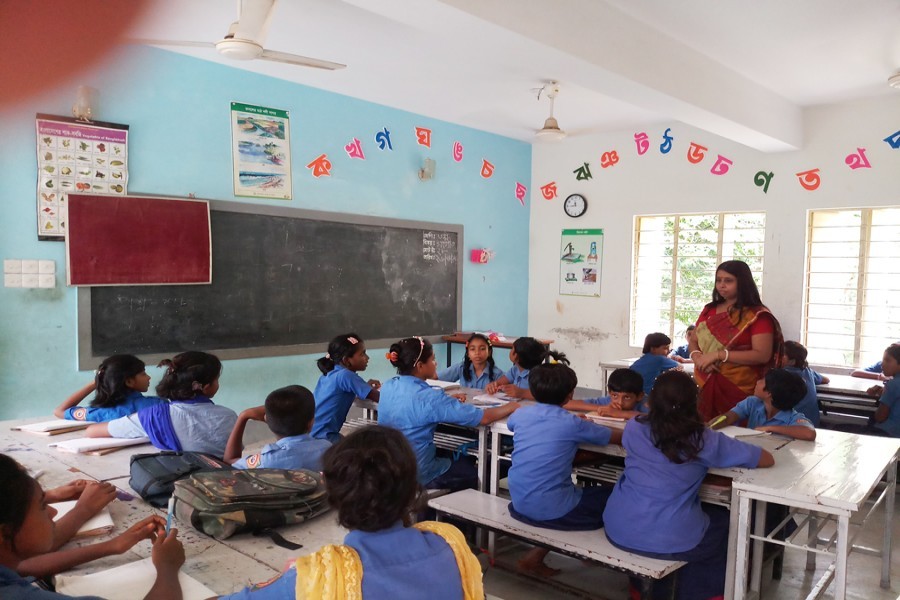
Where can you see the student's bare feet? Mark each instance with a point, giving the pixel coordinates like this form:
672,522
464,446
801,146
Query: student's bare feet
533,564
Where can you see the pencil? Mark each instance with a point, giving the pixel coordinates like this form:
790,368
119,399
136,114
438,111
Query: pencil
719,419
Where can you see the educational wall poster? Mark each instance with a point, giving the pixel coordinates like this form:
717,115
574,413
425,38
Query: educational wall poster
261,151
76,156
580,257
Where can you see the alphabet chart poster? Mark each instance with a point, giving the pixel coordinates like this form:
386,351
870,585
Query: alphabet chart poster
76,156
580,257
261,151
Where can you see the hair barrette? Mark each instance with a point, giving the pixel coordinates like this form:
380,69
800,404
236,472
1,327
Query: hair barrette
352,340
327,355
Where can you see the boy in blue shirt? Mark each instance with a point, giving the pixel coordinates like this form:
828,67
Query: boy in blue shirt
772,408
682,354
655,359
625,399
546,439
289,413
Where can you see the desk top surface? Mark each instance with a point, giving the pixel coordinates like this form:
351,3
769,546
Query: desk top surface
624,363
847,385
461,337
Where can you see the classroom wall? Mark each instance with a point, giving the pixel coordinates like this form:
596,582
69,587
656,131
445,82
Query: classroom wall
180,143
595,329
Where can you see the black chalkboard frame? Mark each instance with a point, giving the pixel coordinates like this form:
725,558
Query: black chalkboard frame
88,359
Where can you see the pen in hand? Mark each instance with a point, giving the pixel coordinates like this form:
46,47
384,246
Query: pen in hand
171,514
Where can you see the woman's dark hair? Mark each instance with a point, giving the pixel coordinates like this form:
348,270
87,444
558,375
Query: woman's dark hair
467,362
187,373
893,351
290,410
407,352
111,376
339,348
18,490
552,383
674,419
530,353
655,340
747,292
797,353
370,476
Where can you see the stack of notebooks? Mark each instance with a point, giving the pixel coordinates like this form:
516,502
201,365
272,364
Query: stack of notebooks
54,427
97,446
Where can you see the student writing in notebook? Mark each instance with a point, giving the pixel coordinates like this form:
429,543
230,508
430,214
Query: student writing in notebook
625,399
119,386
27,530
477,369
525,354
288,412
189,421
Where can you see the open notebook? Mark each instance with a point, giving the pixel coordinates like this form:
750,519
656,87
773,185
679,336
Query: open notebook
444,385
99,524
98,445
612,422
127,582
490,400
54,427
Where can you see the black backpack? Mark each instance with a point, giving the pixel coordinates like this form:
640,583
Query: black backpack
153,476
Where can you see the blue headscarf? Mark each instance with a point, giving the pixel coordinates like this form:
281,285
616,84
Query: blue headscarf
157,422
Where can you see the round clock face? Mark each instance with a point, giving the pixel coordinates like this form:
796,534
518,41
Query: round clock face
575,205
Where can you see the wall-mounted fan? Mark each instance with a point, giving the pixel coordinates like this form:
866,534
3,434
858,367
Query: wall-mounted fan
246,36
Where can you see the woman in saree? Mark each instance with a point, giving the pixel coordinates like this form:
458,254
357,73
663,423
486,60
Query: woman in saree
737,339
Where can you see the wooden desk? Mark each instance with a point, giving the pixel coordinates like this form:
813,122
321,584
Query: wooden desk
844,398
461,337
608,366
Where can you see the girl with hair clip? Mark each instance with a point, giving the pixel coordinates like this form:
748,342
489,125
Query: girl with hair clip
525,354
410,405
189,421
120,383
370,477
340,385
477,369
27,532
654,509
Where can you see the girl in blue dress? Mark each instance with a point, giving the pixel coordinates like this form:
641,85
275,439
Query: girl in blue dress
477,369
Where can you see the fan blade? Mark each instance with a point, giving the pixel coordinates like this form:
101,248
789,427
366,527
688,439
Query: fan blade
253,21
303,61
181,43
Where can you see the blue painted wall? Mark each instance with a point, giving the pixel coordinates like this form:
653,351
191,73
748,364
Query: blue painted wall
180,143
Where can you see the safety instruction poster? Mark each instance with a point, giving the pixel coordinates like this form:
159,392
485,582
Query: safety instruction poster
580,257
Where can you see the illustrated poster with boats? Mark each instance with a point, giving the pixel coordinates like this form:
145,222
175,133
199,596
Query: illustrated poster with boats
76,157
261,151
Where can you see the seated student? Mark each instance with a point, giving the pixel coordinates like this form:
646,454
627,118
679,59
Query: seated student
409,404
625,400
654,509
477,369
288,412
654,359
886,420
795,362
682,354
525,354
772,408
120,383
27,530
540,479
370,477
189,421
873,371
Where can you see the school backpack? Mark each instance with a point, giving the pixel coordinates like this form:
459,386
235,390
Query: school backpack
153,476
223,503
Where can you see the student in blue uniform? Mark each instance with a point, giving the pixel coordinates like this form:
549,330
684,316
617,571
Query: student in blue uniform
682,354
370,477
873,371
409,404
546,438
340,385
626,398
477,369
120,383
654,509
654,359
288,412
795,355
886,420
771,409
525,354
27,530
189,421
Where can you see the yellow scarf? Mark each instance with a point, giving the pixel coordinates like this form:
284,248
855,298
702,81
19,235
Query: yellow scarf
335,572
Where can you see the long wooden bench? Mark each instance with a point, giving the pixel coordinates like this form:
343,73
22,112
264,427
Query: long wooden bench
492,512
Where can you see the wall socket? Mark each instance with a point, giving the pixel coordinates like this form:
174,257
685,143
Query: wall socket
29,273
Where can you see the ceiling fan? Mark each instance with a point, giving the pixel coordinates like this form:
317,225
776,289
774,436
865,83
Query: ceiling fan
550,131
246,36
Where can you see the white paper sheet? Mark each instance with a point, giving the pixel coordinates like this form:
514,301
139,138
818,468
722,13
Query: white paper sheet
127,582
81,445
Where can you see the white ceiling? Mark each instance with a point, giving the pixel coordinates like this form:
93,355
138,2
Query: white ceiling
742,70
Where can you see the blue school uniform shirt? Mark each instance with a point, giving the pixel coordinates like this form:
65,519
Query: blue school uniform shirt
876,368
650,366
133,402
410,405
199,427
809,405
292,452
398,563
15,587
681,351
654,506
334,396
545,440
606,400
890,396
518,376
754,410
467,378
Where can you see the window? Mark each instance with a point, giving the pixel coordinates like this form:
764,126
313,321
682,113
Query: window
851,309
675,260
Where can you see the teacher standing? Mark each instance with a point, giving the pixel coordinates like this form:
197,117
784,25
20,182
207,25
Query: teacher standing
737,339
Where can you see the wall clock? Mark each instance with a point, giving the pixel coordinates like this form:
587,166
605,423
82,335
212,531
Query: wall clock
575,205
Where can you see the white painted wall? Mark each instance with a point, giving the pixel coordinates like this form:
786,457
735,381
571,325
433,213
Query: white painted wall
593,329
